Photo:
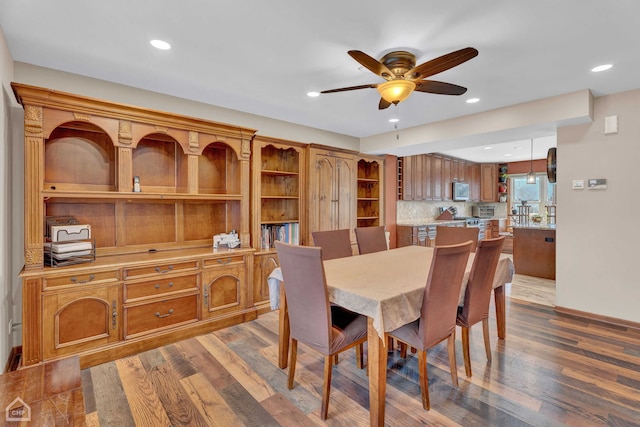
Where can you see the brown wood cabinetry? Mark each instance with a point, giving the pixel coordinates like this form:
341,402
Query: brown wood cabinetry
429,177
416,235
153,247
278,190
278,200
488,182
495,227
370,192
416,177
435,177
534,251
263,265
79,318
332,190
473,177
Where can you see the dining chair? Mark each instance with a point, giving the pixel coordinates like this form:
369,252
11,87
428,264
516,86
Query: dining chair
371,239
334,243
328,329
437,320
454,235
478,295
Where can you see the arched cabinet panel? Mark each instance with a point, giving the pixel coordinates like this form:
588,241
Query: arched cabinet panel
80,319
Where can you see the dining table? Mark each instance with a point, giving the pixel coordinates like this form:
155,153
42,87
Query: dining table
387,287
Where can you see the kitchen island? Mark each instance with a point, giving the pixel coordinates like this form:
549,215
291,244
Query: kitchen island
534,250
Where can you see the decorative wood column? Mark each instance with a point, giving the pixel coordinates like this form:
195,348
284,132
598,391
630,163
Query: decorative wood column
34,176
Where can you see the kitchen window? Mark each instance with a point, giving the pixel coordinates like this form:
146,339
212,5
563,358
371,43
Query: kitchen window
537,195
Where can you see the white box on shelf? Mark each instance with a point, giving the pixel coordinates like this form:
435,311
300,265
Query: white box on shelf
64,233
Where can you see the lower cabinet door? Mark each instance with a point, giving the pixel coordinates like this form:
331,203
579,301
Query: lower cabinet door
263,265
159,315
224,290
77,320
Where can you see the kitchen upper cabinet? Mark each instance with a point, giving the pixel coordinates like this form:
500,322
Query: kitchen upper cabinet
488,182
447,188
332,190
416,177
473,178
436,177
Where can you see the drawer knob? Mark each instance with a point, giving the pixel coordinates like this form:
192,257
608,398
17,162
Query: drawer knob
91,277
224,261
160,316
164,271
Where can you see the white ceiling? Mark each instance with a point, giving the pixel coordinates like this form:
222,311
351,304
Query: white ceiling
262,57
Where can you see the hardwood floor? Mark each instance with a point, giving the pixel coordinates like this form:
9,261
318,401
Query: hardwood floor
551,370
532,289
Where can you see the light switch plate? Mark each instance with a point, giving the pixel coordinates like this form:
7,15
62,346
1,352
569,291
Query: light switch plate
597,184
577,184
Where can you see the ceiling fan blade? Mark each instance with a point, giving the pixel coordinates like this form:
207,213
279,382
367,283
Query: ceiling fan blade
372,64
383,104
440,64
440,88
344,89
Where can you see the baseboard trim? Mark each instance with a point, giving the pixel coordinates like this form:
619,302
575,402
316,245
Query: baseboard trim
598,317
14,359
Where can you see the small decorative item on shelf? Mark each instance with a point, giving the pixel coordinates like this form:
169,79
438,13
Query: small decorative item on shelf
502,188
226,240
536,218
136,184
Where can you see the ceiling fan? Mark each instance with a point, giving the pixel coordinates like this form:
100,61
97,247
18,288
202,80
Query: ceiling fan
403,76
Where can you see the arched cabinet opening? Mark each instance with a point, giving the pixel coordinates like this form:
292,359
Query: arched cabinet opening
79,157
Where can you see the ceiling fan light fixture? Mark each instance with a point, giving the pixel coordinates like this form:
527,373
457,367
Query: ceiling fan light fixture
395,91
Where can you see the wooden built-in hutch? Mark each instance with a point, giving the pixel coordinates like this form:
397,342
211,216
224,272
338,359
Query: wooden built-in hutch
155,187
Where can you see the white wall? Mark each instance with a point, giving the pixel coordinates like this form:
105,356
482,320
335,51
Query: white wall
598,232
73,83
7,276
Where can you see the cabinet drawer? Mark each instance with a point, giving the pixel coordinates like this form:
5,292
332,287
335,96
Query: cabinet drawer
223,261
159,287
157,315
81,278
161,268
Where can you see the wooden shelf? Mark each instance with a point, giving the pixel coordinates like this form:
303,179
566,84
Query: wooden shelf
136,196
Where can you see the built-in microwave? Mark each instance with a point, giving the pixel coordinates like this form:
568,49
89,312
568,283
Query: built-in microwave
460,191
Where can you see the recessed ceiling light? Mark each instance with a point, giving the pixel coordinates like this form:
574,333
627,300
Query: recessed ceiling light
488,147
508,155
599,68
394,120
160,44
472,100
313,94
517,148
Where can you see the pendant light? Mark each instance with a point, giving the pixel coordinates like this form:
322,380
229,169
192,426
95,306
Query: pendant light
531,177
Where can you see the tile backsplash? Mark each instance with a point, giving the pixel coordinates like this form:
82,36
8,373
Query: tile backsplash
417,211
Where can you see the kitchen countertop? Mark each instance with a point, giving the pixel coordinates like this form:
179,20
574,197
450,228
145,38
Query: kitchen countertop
418,223
534,226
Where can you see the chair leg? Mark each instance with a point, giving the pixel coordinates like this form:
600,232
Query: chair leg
293,354
465,351
326,387
359,356
451,348
424,379
487,341
403,349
